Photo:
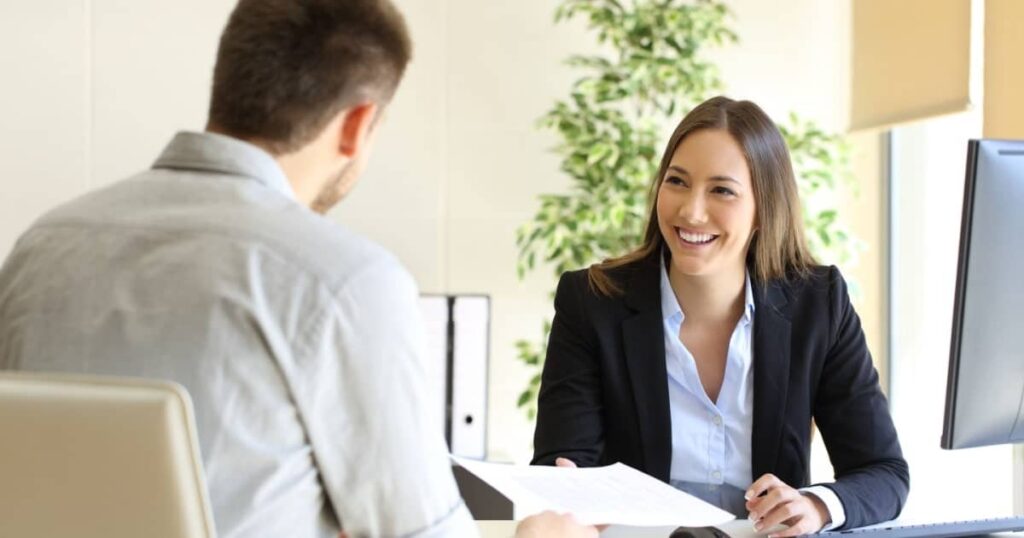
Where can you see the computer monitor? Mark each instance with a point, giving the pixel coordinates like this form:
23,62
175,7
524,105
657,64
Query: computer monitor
985,387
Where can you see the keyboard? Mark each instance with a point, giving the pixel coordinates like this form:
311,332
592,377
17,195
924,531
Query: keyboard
936,530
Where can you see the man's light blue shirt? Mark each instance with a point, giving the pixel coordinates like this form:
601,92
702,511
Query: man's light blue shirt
298,340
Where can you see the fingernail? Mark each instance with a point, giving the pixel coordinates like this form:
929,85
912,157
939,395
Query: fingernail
757,526
747,495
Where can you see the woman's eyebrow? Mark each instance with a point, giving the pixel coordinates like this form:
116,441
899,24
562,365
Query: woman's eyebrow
682,170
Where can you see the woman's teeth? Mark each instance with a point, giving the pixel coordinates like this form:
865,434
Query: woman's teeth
697,239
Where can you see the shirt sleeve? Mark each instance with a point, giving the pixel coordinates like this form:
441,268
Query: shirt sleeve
363,388
832,503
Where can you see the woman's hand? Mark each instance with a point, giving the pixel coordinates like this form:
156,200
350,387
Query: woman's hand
550,524
772,502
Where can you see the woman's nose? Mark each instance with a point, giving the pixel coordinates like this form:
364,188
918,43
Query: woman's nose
693,208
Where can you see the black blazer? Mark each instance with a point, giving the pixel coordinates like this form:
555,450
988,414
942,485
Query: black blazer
604,389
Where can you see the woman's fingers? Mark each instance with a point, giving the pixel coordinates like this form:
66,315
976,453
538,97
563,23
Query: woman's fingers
790,511
772,502
759,495
760,486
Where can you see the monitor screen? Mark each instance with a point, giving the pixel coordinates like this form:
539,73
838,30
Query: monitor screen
985,387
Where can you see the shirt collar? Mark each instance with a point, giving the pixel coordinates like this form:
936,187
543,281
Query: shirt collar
670,305
211,152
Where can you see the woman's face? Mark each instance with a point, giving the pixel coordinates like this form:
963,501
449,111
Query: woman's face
706,209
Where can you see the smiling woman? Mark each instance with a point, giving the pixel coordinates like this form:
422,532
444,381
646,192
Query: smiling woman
702,357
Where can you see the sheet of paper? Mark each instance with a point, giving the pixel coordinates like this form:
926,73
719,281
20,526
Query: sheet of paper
616,494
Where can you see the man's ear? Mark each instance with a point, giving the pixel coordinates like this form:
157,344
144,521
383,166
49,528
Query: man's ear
355,128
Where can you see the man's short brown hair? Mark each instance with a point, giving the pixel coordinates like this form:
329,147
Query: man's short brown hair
286,67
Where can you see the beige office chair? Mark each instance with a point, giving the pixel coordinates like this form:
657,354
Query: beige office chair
84,457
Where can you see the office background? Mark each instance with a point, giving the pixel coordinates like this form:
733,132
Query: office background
93,89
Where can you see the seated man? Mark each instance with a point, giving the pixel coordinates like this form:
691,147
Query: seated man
298,340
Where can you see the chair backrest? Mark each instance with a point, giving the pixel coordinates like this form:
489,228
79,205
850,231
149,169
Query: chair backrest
90,456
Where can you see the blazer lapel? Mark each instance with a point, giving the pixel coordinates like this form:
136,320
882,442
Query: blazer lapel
771,374
644,343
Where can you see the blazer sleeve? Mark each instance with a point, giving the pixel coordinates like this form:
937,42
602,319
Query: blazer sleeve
872,479
569,406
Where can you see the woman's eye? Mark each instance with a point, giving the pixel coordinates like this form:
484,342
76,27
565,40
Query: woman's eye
673,180
724,190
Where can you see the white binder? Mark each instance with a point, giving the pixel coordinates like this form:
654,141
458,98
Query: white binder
458,329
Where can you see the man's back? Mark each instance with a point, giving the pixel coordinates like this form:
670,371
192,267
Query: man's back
292,335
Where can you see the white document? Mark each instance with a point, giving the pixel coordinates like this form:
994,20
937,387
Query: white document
616,494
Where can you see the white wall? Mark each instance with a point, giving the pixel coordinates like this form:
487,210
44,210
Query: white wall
92,89
459,165
45,106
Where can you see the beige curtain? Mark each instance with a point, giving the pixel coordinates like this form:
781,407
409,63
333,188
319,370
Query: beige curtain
1004,69
911,59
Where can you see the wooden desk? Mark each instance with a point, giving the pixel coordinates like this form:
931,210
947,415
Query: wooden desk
497,529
